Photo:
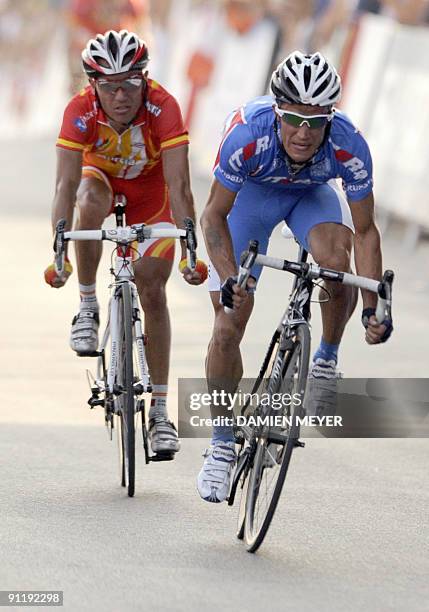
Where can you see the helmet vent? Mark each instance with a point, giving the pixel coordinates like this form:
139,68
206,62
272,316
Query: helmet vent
307,76
128,57
292,88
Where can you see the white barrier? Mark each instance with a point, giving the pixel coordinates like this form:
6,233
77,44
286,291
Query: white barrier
45,96
387,96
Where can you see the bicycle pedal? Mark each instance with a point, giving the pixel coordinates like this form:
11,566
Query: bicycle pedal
93,402
299,443
162,457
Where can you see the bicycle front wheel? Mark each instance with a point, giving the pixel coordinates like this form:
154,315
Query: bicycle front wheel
275,444
126,399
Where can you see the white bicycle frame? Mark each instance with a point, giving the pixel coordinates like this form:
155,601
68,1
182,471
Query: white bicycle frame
123,274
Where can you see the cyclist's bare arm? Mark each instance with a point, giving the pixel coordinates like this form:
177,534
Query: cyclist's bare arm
367,245
175,167
216,232
368,258
69,172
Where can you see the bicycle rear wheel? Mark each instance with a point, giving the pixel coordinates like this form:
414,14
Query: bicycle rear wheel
275,444
126,399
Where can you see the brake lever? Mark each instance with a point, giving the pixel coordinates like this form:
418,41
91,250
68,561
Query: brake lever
384,303
191,243
59,247
247,260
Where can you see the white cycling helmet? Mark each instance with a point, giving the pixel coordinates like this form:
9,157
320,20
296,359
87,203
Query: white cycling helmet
306,79
113,53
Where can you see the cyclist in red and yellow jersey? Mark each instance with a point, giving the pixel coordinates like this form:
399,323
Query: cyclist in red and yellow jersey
124,134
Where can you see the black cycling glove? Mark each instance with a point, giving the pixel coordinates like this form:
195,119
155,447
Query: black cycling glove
367,313
226,292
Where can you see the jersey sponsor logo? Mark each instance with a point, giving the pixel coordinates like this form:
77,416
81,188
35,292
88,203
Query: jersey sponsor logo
351,162
80,123
360,187
230,177
276,179
124,161
285,180
244,153
152,108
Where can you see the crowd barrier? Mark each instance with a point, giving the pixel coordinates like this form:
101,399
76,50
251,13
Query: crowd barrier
386,94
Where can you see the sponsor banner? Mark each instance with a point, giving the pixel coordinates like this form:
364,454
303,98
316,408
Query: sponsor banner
344,408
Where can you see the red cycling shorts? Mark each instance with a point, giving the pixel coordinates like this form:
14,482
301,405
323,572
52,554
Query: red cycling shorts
147,202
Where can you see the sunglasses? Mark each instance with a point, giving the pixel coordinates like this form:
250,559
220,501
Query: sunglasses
314,122
127,85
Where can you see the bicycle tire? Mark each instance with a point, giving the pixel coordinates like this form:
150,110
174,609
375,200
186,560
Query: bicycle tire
257,520
244,483
120,436
127,398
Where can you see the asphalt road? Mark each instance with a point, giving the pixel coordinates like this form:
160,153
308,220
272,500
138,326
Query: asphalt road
351,531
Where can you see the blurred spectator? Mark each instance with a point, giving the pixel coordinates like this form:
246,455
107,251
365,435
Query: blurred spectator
239,16
409,12
86,18
330,16
242,15
308,25
25,33
295,18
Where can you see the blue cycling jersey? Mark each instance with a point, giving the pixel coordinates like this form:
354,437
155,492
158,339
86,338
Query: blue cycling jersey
252,150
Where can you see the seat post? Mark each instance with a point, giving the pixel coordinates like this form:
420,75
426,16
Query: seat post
120,203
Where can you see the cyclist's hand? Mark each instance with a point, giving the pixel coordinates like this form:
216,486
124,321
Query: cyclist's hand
232,295
53,279
376,332
193,277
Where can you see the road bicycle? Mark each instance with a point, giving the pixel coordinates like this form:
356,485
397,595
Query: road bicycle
268,439
122,374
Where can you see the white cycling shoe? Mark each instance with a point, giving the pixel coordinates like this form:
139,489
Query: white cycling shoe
215,475
322,391
327,370
163,436
84,332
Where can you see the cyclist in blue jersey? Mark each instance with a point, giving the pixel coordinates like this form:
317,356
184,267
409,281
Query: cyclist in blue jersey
278,161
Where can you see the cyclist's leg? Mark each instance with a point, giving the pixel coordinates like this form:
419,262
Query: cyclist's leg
151,274
256,211
322,222
94,203
152,271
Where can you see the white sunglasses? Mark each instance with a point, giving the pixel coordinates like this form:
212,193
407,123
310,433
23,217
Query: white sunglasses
314,122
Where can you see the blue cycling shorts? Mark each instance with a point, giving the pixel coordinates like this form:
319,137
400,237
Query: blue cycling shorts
258,209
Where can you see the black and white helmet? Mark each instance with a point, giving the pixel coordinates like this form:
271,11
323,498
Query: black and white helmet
113,53
306,79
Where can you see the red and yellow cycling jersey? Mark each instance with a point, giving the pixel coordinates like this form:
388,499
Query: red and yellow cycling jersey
136,152
129,163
